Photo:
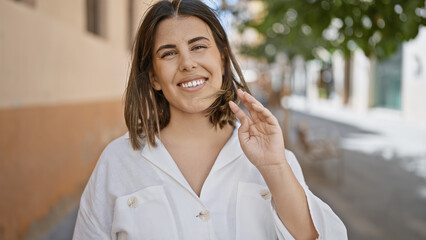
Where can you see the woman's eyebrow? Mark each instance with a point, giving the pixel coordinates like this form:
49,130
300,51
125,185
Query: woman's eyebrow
197,39
189,42
165,46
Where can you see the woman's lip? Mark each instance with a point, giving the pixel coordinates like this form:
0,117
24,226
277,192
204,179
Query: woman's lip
191,89
195,81
191,78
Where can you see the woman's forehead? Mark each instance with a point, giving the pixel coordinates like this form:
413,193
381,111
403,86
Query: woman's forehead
181,28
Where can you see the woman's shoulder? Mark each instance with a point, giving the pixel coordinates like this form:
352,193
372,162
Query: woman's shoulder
120,149
122,144
115,161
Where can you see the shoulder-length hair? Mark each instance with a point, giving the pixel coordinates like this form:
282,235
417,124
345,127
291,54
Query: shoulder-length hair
146,110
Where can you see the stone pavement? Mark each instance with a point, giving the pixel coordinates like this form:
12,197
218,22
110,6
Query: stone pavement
64,228
376,198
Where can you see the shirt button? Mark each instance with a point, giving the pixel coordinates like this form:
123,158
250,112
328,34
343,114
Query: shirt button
266,194
132,202
204,215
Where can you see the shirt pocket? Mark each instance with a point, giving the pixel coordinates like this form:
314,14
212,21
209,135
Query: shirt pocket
254,218
145,214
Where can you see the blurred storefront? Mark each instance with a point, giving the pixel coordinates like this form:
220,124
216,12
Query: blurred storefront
63,69
392,86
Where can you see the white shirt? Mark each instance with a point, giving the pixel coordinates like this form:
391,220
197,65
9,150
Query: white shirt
143,195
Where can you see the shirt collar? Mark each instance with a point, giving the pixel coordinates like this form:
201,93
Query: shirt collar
230,152
160,157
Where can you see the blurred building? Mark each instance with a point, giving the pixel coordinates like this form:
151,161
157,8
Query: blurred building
63,70
393,87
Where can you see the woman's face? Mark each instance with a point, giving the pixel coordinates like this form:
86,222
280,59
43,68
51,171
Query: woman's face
187,64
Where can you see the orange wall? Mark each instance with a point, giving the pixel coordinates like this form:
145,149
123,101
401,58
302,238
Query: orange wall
46,154
60,104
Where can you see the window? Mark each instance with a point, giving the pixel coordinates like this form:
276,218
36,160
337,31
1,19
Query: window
95,17
388,82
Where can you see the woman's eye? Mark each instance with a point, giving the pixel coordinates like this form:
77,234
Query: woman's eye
166,54
198,47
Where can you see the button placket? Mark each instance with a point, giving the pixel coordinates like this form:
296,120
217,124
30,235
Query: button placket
204,215
265,194
132,202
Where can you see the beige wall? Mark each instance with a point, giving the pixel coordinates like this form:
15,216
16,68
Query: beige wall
46,62
60,104
117,21
64,11
69,13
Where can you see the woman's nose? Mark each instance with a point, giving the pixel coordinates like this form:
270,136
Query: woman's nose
187,62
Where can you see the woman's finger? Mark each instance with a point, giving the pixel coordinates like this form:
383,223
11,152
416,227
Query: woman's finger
238,111
252,99
264,114
244,119
257,110
248,104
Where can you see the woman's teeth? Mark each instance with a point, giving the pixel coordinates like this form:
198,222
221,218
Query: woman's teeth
192,83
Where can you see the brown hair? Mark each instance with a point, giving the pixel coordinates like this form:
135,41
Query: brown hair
146,110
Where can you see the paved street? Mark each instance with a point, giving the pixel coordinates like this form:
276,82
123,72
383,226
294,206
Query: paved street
64,228
376,198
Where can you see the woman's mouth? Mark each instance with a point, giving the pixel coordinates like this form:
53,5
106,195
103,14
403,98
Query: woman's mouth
193,83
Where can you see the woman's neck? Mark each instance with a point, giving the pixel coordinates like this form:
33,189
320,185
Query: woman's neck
194,127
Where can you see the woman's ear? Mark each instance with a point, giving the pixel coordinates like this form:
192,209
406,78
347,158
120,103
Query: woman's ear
154,82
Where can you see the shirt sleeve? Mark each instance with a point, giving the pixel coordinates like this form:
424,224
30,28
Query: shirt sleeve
326,222
94,215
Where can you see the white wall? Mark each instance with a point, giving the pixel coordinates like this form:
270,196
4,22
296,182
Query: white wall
414,79
361,82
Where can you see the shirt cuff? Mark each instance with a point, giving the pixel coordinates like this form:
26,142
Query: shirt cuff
326,222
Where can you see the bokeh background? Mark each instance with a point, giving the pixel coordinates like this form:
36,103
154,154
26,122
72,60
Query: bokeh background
345,78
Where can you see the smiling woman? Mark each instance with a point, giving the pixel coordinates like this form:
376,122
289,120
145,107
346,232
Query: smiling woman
187,66
160,40
187,169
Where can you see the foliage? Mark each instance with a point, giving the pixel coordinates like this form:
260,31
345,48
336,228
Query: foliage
309,27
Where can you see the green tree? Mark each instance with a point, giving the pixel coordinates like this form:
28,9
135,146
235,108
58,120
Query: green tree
307,27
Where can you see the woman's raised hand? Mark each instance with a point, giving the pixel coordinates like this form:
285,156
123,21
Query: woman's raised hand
260,134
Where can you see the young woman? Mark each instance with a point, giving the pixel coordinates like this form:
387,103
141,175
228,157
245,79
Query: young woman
187,169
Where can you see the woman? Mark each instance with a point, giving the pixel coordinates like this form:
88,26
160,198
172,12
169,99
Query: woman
187,169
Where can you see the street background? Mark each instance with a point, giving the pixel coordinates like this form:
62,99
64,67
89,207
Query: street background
345,78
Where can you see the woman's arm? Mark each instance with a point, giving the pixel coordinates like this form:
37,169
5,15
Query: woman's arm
262,142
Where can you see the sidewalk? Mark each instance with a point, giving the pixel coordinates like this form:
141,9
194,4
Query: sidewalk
392,138
382,192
